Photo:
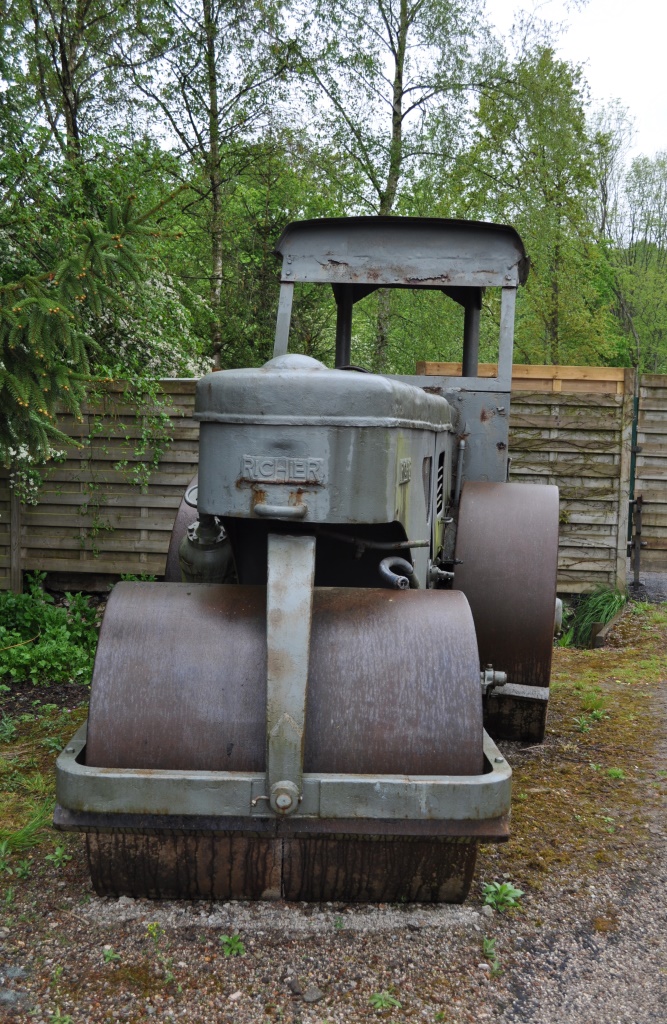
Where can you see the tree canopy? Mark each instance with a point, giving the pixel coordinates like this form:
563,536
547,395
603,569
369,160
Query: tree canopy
151,152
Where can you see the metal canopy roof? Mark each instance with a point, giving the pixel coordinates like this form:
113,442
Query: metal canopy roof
403,252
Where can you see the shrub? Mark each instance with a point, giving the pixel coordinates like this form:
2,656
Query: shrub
44,642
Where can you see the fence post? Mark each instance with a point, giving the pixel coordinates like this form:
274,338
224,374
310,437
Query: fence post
15,574
627,419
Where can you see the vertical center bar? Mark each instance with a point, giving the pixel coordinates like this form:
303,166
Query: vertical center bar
344,325
289,607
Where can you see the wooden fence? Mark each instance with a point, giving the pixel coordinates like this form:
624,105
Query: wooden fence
570,426
651,470
92,520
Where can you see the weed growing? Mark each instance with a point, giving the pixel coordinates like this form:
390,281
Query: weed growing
59,857
384,1001
156,934
5,853
232,945
501,895
57,1017
489,951
8,729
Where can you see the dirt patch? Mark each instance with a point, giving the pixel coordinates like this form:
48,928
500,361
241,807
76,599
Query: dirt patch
588,943
26,698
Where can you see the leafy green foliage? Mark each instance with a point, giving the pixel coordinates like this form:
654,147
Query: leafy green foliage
501,895
44,345
531,163
232,945
23,869
43,642
400,108
59,857
7,729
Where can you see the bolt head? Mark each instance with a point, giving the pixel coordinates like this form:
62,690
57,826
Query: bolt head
284,797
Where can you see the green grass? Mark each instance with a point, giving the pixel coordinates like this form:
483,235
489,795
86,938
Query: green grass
28,835
599,606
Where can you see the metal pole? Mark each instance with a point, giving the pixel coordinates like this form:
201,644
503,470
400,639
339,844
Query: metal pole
284,317
637,545
344,326
471,337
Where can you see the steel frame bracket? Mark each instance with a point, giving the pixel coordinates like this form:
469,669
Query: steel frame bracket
405,798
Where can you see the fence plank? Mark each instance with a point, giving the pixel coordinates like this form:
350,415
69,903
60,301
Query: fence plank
15,577
651,469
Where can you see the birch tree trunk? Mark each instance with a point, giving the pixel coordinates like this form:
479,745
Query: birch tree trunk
214,176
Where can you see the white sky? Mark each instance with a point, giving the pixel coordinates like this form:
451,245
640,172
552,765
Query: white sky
622,45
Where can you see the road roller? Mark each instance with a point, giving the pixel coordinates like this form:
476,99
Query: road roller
357,606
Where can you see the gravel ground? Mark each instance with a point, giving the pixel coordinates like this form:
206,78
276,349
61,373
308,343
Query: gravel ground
652,587
589,944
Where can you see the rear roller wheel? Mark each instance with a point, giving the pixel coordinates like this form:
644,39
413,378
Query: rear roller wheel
180,683
507,544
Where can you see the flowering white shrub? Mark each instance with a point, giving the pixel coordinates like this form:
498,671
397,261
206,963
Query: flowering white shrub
149,331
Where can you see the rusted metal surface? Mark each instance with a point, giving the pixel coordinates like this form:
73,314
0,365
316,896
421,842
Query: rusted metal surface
180,681
180,678
377,869
234,866
507,543
176,866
